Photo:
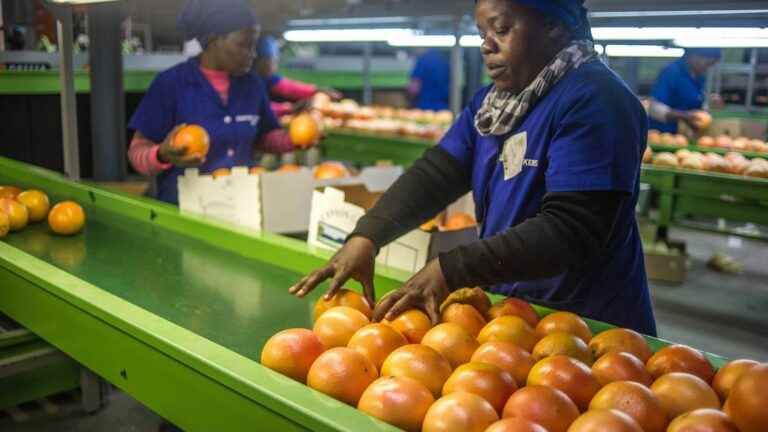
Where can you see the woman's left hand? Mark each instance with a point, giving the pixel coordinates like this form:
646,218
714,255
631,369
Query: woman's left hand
426,290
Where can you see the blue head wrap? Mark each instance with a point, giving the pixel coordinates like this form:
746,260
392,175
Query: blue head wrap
711,53
267,48
203,19
572,13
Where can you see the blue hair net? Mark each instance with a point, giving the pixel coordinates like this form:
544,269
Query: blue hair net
267,47
203,19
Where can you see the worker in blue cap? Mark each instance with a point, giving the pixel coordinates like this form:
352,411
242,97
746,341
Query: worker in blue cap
679,91
288,96
551,152
431,81
215,90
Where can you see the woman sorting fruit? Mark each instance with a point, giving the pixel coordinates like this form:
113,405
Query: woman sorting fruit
551,152
215,91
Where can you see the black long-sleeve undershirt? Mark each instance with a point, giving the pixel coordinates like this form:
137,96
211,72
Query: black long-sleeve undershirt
570,229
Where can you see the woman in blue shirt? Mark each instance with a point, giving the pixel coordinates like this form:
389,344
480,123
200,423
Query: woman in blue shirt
431,81
679,91
551,152
215,90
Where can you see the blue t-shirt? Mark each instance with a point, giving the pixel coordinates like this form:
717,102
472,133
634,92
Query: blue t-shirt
587,134
678,89
434,72
182,94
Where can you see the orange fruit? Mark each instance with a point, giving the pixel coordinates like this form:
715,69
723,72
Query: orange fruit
5,224
194,139
562,343
304,131
452,342
509,328
221,172
483,379
703,420
567,374
459,412
289,168
748,400
18,215
546,406
291,352
400,401
330,170
514,424
702,119
604,421
654,137
344,297
680,358
635,400
564,322
506,355
517,307
726,377
337,325
681,392
66,218
459,221
256,170
621,366
474,297
376,341
342,374
37,204
421,363
9,191
413,324
466,316
621,340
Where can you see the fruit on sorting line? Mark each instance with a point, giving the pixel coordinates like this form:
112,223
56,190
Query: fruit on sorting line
465,316
18,215
286,168
37,204
680,358
343,297
343,374
507,356
620,340
635,400
517,307
543,405
337,325
400,401
9,191
705,420
193,139
747,400
66,218
515,424
604,420
483,379
452,342
567,322
727,376
421,363
621,366
376,341
568,375
413,324
5,224
565,344
459,411
681,392
291,352
509,328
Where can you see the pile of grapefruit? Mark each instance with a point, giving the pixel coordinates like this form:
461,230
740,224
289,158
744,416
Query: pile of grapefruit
732,163
18,208
502,367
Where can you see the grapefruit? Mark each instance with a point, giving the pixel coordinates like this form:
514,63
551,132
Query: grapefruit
291,352
421,363
748,400
621,366
507,356
465,316
726,377
337,325
400,401
459,221
66,218
5,224
459,412
569,375
18,215
474,297
546,406
342,373
221,172
304,131
702,120
706,141
452,342
681,140
483,379
668,139
564,322
654,137
681,392
703,420
330,170
376,341
517,307
256,170
286,168
194,139
514,424
509,328
604,421
620,340
9,191
562,343
413,324
635,400
680,358
343,297
37,204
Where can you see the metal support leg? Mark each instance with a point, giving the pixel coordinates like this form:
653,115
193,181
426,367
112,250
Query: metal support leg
750,102
457,69
91,388
367,87
68,101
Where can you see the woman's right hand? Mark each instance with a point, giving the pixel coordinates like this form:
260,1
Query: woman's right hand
355,260
177,156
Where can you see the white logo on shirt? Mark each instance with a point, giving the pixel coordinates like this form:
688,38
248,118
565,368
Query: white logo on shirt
533,163
249,118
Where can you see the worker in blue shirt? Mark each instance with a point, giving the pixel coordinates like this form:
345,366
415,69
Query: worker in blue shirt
431,81
215,90
680,90
551,152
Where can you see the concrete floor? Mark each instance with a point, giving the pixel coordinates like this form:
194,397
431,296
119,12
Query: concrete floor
722,314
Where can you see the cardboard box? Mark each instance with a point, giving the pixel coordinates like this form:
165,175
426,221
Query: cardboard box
669,265
336,210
